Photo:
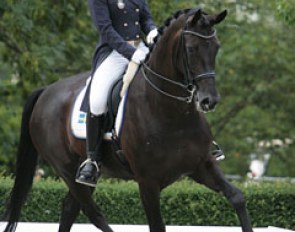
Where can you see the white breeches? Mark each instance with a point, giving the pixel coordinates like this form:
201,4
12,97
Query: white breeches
110,70
107,73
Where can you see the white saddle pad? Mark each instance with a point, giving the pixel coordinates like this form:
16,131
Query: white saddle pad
78,118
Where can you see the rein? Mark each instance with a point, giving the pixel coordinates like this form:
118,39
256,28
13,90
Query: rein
190,88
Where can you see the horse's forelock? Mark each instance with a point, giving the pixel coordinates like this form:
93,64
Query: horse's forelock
205,22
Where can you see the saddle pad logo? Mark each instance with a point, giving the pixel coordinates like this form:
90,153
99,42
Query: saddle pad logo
82,118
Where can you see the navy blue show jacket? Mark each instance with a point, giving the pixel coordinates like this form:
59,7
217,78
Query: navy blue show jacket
116,26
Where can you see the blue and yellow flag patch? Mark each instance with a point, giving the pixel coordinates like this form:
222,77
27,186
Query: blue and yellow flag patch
82,118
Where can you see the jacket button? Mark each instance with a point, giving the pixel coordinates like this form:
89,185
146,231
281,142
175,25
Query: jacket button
137,36
136,23
125,24
137,10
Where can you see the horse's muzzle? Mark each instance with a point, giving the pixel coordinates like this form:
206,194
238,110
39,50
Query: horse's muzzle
207,103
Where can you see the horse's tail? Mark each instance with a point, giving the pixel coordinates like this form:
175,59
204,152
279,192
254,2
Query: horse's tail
27,158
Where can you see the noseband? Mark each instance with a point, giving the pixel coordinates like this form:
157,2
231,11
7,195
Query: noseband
189,86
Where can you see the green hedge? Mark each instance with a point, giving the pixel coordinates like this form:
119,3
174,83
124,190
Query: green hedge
183,203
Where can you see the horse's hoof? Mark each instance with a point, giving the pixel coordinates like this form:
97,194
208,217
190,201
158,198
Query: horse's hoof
219,158
218,155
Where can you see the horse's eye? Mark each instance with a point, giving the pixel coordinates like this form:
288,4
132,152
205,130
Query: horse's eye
192,49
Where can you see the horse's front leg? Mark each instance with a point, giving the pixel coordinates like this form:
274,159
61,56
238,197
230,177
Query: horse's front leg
150,197
211,176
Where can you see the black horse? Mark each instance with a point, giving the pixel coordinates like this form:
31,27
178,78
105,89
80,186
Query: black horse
164,134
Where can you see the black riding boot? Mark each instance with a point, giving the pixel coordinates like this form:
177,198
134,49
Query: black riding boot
89,171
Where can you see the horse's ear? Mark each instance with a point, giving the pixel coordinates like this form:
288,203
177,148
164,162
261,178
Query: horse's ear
194,19
218,18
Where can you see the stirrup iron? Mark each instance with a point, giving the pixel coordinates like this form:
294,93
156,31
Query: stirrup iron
218,153
88,160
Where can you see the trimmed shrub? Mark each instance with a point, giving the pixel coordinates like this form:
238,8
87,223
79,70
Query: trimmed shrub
183,203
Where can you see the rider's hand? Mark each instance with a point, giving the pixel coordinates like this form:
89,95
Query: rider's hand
151,36
138,56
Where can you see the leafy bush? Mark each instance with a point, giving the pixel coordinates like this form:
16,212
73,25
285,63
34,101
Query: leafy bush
183,203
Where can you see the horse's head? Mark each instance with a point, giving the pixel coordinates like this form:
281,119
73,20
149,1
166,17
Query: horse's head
184,56
199,46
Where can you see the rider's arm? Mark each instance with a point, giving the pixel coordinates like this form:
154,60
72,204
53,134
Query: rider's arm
146,20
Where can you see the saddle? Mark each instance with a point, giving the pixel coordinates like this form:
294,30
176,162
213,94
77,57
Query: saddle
114,100
112,123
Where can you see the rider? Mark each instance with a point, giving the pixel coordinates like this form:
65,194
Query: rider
120,24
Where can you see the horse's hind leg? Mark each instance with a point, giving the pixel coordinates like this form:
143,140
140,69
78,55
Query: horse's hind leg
210,175
70,211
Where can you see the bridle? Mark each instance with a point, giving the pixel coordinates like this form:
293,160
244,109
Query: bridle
188,75
190,79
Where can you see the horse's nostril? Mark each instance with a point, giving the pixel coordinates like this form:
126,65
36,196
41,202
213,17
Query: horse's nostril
209,103
205,101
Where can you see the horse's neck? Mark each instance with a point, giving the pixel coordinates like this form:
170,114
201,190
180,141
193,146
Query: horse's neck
163,57
162,63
